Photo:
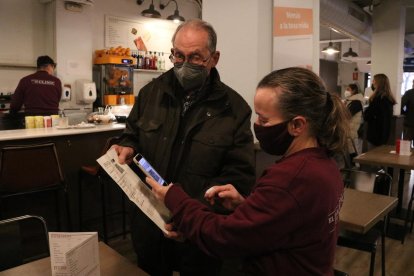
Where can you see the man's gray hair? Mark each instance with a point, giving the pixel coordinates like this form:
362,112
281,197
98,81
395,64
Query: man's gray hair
200,24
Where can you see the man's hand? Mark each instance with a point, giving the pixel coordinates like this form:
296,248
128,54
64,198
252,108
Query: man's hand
125,154
226,194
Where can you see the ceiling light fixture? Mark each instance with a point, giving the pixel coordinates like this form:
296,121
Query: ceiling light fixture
330,50
176,17
150,12
350,53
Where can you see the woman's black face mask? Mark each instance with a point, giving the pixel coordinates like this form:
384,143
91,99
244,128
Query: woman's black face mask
274,139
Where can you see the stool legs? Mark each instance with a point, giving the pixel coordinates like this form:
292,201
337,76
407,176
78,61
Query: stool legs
104,208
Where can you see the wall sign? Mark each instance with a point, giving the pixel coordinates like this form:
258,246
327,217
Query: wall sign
143,35
292,21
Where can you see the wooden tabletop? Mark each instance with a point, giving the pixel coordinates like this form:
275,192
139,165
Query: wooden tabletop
111,263
386,156
361,210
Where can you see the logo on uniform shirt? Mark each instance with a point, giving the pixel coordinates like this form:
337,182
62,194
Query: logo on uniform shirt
333,217
44,82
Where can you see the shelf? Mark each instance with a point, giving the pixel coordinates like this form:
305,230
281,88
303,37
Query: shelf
8,65
150,71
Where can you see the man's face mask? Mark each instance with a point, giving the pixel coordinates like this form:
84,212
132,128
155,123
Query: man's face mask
190,76
274,139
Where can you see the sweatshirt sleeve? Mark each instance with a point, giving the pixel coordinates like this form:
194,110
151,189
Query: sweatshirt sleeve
240,233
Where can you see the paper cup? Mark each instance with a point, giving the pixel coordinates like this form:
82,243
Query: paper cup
39,121
405,147
29,121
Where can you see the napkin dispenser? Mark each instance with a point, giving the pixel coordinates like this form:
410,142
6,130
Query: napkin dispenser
85,91
66,94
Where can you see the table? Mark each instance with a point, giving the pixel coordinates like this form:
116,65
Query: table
111,263
361,210
382,156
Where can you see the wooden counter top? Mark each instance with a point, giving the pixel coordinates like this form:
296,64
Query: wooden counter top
20,134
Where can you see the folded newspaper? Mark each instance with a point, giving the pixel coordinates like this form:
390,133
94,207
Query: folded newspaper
137,191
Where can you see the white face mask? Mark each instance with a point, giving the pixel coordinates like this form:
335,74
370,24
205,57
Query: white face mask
348,94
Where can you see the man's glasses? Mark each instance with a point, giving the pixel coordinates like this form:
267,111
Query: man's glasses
197,59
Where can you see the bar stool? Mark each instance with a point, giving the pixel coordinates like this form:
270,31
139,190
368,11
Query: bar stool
31,170
101,179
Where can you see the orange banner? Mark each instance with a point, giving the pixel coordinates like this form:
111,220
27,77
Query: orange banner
292,21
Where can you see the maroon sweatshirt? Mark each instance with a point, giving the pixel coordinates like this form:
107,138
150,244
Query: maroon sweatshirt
287,226
39,93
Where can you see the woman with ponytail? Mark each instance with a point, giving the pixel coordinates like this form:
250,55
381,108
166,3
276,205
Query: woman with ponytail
288,225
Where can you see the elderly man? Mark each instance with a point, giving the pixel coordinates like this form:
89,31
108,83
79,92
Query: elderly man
196,132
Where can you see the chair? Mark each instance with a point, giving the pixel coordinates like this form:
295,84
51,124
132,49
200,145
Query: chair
101,177
410,205
29,170
23,239
378,182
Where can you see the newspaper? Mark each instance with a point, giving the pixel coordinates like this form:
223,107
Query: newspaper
137,191
74,253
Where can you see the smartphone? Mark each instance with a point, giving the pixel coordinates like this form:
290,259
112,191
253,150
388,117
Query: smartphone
148,170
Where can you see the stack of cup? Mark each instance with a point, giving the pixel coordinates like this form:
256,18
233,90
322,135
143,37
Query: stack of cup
29,121
38,120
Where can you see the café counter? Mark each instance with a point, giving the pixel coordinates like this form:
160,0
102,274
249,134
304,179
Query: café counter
76,147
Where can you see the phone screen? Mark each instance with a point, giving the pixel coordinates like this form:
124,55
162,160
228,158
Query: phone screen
146,167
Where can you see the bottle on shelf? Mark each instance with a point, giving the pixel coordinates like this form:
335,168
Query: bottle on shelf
147,61
154,61
140,63
159,61
162,62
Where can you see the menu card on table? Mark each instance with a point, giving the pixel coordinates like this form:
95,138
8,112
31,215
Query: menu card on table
74,253
136,190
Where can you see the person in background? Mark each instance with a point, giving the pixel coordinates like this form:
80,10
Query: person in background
40,92
288,225
378,114
195,131
354,101
407,109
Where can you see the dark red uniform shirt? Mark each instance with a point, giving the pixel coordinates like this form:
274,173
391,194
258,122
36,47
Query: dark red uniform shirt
40,94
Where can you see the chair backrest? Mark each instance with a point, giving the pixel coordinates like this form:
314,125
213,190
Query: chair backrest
374,182
29,167
22,240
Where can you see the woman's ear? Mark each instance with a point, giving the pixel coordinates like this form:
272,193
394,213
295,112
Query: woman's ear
297,126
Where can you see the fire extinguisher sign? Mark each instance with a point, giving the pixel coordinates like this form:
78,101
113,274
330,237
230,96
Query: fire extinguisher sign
355,74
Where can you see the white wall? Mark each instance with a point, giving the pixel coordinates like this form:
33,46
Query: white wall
23,25
244,30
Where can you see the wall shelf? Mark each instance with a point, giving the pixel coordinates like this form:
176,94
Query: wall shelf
150,71
23,66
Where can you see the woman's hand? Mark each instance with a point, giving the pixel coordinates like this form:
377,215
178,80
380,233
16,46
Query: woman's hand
125,154
173,233
158,190
226,194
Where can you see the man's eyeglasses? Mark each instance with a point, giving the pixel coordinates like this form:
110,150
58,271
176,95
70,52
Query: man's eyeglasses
197,59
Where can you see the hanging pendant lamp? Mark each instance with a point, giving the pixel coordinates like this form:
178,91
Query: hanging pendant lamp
330,50
350,53
150,12
176,17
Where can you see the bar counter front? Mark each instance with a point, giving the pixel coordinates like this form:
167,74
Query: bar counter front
76,147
